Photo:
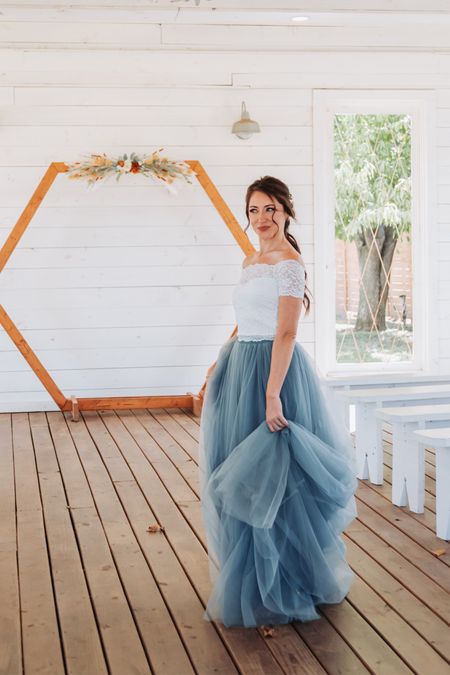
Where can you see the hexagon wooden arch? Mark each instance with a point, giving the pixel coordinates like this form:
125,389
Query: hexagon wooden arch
74,404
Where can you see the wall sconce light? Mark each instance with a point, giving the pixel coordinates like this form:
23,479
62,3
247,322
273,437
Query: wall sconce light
245,127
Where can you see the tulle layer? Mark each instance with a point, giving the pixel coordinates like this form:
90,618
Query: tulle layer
274,504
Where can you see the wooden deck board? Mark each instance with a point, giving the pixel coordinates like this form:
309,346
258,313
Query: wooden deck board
401,569
396,595
334,653
402,521
115,622
245,646
76,499
10,616
41,644
82,644
413,649
427,519
189,545
165,647
425,561
371,647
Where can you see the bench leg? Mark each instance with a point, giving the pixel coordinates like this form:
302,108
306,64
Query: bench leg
442,493
369,449
344,412
408,468
414,469
399,461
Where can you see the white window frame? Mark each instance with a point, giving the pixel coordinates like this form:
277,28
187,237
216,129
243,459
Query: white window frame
420,105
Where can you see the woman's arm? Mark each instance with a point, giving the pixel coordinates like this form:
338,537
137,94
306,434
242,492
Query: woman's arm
289,309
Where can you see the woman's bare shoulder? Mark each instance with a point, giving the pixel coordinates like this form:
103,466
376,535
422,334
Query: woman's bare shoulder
289,255
272,258
250,259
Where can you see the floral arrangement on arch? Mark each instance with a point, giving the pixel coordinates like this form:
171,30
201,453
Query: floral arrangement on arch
161,169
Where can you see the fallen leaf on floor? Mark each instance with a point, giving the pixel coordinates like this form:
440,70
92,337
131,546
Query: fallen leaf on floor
155,528
268,631
439,551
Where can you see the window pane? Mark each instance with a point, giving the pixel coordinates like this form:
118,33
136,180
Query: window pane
374,320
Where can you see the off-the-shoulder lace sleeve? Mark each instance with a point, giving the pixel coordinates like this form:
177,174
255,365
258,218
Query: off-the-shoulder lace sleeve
290,275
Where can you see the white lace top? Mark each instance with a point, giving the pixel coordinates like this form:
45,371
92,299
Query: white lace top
255,298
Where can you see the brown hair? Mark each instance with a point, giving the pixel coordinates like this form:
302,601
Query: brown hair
275,188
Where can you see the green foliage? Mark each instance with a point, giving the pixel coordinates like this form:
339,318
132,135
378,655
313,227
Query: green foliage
372,174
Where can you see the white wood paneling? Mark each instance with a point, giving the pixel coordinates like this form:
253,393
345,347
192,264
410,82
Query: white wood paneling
6,96
116,298
98,136
148,115
123,93
280,156
74,194
370,6
194,78
205,14
308,37
82,34
139,63
126,289
53,35
84,359
114,236
225,178
121,257
126,337
50,277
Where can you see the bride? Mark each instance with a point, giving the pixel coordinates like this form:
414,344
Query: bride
277,477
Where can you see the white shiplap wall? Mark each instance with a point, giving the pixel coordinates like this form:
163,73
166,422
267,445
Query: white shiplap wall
443,226
126,289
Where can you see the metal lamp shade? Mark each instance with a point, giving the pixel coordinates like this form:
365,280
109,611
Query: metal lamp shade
245,127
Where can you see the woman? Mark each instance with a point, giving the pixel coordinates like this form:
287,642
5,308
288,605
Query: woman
277,474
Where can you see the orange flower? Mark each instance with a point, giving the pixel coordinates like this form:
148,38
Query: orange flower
135,167
120,162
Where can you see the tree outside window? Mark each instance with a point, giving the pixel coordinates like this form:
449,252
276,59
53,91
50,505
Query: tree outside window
372,218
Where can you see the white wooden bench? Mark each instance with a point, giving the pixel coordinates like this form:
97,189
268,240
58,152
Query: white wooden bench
337,383
439,439
368,429
408,467
385,379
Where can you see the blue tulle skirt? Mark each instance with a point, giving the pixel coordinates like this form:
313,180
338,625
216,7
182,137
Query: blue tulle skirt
274,503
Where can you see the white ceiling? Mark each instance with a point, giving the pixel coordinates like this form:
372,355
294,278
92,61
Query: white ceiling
403,6
234,12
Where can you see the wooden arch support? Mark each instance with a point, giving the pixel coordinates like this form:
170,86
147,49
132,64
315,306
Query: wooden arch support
74,404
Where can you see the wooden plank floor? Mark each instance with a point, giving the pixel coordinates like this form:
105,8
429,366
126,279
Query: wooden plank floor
86,589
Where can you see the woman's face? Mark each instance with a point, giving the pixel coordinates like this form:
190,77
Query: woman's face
266,215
